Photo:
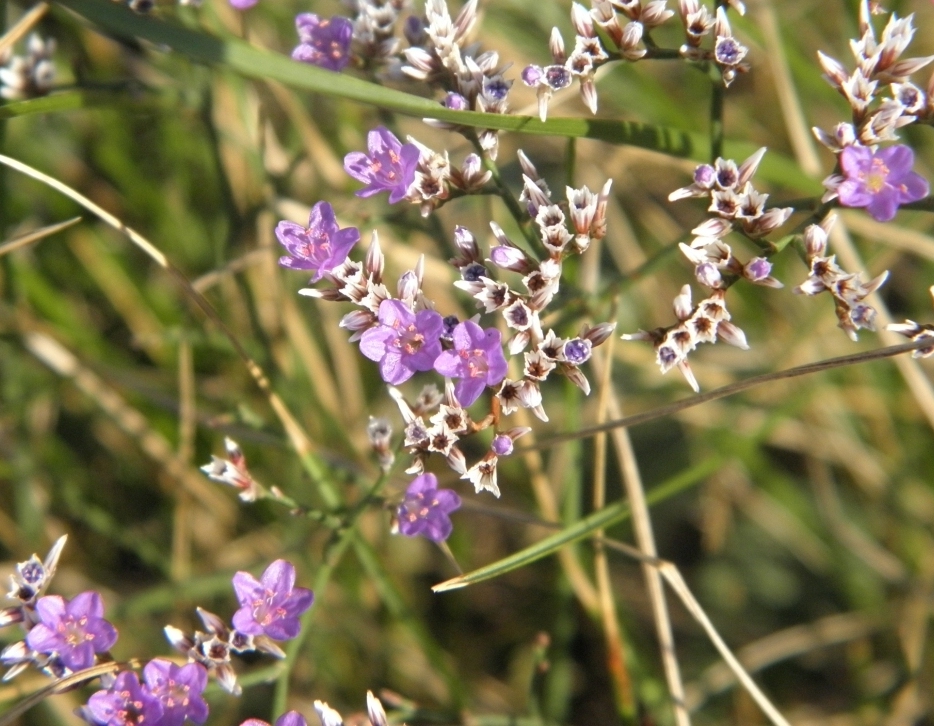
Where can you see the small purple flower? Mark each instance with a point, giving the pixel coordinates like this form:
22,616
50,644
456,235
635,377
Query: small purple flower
75,630
178,689
404,342
477,360
758,268
389,166
557,77
705,176
509,258
127,703
577,351
321,246
502,445
242,4
324,43
455,102
532,75
880,181
270,607
426,509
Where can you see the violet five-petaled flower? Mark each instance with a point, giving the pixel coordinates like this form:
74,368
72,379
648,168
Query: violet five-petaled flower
126,703
292,718
426,510
477,360
75,630
322,42
880,181
388,165
270,606
321,246
178,689
404,342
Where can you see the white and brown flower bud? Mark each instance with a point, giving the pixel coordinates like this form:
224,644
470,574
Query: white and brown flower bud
581,20
729,333
375,261
655,13
603,15
537,366
576,376
597,334
556,46
682,303
456,461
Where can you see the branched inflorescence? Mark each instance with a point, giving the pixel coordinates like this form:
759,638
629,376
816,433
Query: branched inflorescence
65,637
405,335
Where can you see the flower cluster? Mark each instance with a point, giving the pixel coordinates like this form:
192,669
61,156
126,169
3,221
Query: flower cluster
404,334
30,75
411,171
269,612
727,53
627,24
878,67
706,322
879,180
734,205
327,715
440,56
848,292
62,636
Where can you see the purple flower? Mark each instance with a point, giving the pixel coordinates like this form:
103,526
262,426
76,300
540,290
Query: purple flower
758,268
477,359
502,445
242,4
426,509
324,43
455,102
403,342
75,630
388,167
270,607
127,703
178,689
321,247
880,181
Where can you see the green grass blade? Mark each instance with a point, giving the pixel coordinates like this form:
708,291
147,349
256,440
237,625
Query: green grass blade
604,518
252,62
65,101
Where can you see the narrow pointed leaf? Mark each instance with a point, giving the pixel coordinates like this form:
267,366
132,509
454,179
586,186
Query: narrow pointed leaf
603,518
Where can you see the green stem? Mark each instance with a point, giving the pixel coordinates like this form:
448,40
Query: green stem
716,116
570,160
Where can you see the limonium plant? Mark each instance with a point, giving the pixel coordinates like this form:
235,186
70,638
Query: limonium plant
471,359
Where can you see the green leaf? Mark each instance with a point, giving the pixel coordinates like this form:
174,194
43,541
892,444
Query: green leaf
598,520
64,101
252,62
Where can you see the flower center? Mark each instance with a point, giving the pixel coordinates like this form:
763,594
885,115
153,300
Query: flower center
73,630
265,610
875,178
